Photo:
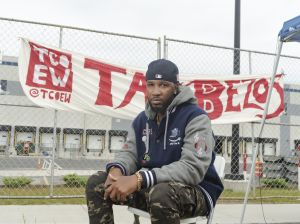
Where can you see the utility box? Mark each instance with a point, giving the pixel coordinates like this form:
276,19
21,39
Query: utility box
95,141
117,139
5,131
46,140
249,147
25,140
269,146
72,142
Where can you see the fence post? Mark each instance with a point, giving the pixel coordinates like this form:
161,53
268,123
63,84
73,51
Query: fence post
12,141
159,48
84,148
253,159
52,164
165,48
250,63
54,131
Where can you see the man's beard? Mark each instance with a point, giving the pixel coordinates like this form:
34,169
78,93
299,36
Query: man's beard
164,106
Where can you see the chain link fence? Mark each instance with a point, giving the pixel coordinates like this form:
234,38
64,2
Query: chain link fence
31,166
277,161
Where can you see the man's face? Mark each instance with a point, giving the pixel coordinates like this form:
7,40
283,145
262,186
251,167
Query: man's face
160,94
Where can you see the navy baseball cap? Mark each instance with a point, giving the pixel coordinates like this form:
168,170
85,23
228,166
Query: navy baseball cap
162,69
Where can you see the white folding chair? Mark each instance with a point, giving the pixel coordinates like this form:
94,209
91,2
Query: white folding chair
219,165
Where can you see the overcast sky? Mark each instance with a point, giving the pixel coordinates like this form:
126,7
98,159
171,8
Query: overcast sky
204,21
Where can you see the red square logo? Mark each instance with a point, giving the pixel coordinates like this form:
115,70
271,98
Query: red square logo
49,69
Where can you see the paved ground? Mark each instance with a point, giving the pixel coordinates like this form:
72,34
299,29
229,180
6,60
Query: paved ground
31,163
77,214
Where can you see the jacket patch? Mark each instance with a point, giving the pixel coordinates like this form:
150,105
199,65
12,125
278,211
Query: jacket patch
200,144
145,131
125,146
175,138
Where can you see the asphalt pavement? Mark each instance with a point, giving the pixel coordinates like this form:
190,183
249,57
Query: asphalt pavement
77,214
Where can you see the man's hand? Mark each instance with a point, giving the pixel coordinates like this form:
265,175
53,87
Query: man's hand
113,173
121,187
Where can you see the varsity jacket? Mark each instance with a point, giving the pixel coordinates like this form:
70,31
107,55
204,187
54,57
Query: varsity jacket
179,149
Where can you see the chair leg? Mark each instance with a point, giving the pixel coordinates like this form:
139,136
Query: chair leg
136,219
210,217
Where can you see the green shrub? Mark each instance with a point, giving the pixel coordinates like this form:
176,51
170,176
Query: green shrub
74,180
16,181
275,183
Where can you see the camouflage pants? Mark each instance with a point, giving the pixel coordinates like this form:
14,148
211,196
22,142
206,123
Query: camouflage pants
166,202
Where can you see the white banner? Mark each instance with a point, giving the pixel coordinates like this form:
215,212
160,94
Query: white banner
65,80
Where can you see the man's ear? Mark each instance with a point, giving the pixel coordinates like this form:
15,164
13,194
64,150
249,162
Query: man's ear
176,89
